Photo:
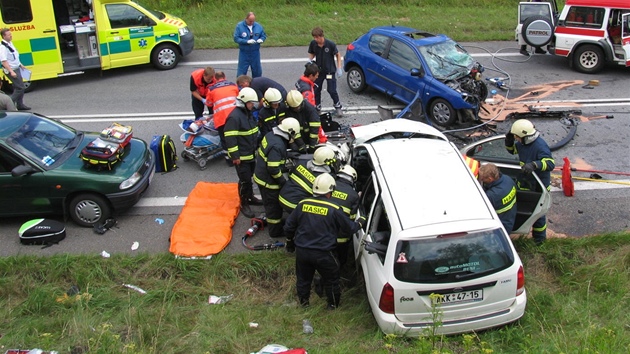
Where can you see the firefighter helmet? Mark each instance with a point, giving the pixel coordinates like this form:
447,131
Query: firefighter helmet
294,98
273,95
247,94
349,171
290,125
323,156
323,184
523,128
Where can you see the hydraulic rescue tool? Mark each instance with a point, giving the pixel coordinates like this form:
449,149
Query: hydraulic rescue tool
258,224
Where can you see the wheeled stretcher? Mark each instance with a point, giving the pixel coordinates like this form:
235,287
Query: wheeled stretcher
201,141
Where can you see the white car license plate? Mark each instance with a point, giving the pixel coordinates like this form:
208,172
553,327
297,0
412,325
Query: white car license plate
464,296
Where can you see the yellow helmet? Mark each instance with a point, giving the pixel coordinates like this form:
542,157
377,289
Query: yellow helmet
290,125
294,98
273,95
348,171
523,128
323,156
323,184
247,94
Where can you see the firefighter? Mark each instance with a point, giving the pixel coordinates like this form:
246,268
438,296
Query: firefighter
311,231
272,112
348,199
221,99
300,182
200,79
241,137
501,191
535,157
308,117
270,169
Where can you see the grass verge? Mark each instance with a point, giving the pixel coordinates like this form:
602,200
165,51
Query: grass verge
577,303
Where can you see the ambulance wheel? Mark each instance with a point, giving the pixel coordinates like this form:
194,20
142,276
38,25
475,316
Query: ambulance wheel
185,156
588,59
88,209
202,164
165,56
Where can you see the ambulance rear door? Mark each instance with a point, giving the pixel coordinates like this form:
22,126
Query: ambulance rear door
625,36
125,33
34,35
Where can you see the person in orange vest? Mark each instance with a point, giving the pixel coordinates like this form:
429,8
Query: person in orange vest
199,81
473,165
306,83
221,98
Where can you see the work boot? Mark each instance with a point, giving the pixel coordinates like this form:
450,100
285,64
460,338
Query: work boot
23,108
246,210
338,112
255,201
304,302
540,51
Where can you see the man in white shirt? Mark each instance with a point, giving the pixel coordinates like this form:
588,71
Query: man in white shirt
11,63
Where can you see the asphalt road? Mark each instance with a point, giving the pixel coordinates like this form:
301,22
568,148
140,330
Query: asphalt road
154,102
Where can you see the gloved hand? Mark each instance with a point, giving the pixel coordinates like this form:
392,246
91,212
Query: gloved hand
362,220
289,245
529,167
203,100
509,139
293,154
259,41
282,181
251,41
339,72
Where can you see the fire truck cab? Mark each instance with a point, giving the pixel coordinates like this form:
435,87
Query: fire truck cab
590,33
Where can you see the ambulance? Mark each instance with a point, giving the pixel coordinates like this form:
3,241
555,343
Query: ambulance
590,33
65,37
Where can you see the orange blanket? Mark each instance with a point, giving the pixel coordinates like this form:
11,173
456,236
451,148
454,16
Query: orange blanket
204,226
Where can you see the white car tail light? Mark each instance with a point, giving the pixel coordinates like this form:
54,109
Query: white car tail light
520,281
386,302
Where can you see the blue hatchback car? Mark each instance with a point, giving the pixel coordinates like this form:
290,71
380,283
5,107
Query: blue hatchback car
403,62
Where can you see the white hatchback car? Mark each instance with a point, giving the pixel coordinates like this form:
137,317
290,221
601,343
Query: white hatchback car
431,230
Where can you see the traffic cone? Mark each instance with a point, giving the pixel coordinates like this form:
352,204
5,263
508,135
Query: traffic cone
322,136
567,181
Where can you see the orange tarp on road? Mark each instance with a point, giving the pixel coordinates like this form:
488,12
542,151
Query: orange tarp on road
204,226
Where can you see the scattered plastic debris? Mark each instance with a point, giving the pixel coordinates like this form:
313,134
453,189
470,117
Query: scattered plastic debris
253,325
30,351
307,327
159,221
135,245
272,348
215,300
105,254
133,287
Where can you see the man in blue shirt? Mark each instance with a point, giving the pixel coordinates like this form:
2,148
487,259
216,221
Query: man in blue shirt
249,35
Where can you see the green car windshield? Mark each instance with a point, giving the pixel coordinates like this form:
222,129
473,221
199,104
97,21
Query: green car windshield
447,60
43,141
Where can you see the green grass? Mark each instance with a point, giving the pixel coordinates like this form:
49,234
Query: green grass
578,300
289,22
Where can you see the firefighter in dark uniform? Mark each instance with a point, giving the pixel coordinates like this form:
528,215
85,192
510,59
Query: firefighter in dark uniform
308,117
272,112
270,166
348,199
241,138
535,157
300,182
311,231
501,191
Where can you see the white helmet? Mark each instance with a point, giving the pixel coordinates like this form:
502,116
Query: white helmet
523,128
247,94
290,126
294,98
323,156
348,171
273,95
323,184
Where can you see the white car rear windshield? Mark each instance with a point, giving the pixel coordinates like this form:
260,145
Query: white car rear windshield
452,258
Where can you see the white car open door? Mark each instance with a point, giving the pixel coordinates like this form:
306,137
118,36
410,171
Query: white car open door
625,37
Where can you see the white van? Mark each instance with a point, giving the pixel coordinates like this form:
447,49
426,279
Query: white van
431,230
588,32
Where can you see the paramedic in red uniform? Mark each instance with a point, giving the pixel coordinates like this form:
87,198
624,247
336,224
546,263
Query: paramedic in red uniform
199,81
221,98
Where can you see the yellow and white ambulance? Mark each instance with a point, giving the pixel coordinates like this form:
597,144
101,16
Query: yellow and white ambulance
65,37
